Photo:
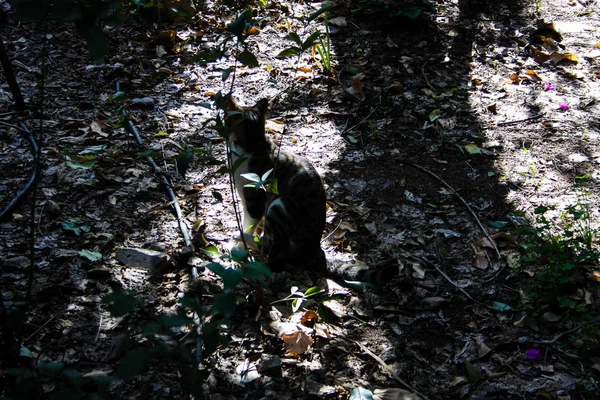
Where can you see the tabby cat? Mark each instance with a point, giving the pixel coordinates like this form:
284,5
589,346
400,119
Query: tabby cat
295,215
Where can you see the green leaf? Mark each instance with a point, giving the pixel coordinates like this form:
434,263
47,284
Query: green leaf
239,255
266,175
76,161
541,210
71,225
361,286
326,6
293,36
473,372
247,58
313,291
50,368
252,177
211,250
25,352
290,51
148,153
239,162
360,394
497,224
435,114
119,96
133,363
224,303
73,377
352,139
231,277
297,303
238,26
175,320
310,41
92,149
183,160
225,75
90,255
498,306
272,187
472,149
257,271
161,134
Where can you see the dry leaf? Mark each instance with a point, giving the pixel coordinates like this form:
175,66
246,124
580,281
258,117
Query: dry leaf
296,343
309,318
394,394
557,57
532,75
514,77
253,31
482,348
397,86
356,88
344,227
477,81
540,57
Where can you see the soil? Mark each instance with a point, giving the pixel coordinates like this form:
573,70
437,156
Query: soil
426,132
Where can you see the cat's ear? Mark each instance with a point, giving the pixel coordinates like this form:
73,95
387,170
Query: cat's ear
262,105
233,105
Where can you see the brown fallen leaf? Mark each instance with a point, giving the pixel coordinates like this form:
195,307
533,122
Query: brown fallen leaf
309,318
356,88
296,343
531,74
570,58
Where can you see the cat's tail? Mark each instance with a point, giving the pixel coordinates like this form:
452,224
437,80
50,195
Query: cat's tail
359,271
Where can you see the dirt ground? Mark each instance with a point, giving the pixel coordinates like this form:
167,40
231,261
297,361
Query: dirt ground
427,134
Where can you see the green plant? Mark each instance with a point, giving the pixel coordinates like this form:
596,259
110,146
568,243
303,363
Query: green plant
324,48
297,297
560,251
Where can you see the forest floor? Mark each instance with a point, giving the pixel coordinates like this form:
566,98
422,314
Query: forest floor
437,138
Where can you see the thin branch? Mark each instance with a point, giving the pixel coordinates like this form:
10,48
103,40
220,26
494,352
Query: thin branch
426,262
520,120
460,198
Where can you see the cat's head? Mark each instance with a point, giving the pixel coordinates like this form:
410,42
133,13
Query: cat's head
246,125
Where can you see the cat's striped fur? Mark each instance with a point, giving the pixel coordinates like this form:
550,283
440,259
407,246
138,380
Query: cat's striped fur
295,217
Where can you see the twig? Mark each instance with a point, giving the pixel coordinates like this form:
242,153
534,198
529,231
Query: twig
569,331
425,76
429,263
387,368
11,126
99,329
38,329
460,198
520,120
345,131
333,231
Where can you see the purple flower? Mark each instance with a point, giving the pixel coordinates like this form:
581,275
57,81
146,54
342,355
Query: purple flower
548,86
532,354
563,106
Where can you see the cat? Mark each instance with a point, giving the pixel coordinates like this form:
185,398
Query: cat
294,217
